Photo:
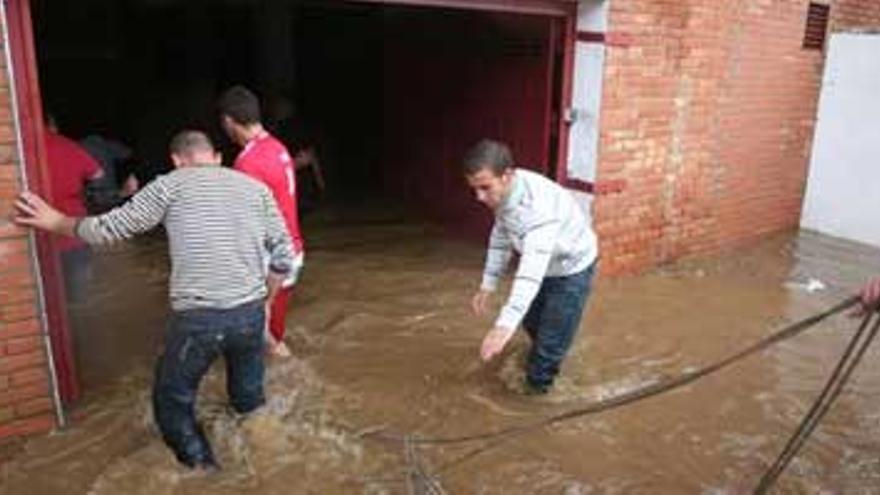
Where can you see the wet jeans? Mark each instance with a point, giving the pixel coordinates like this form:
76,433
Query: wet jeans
552,322
195,338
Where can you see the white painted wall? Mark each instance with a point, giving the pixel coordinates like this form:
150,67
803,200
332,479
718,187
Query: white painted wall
843,185
592,15
589,68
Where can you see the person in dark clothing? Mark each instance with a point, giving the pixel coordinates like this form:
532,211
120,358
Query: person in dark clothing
119,181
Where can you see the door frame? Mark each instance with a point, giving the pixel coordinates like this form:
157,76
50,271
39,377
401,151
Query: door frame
542,7
22,49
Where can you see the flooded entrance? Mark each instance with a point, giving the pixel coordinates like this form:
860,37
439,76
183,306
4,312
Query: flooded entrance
384,344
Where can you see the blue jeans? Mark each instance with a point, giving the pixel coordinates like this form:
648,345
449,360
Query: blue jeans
552,322
195,338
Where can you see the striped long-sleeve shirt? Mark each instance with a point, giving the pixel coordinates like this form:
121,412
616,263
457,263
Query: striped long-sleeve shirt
542,222
221,227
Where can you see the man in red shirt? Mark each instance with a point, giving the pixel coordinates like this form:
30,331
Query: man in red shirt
70,167
266,159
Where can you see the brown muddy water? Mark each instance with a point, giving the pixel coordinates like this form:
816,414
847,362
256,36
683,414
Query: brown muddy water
384,344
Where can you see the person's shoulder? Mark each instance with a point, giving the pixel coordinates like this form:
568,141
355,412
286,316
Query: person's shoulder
72,153
277,150
244,163
56,138
532,177
243,179
541,186
176,176
63,144
254,189
164,183
533,184
217,175
254,165
540,196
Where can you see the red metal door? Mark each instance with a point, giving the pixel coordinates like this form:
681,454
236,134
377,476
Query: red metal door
30,114
451,80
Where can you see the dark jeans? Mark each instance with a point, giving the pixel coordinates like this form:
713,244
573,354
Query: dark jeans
552,322
195,338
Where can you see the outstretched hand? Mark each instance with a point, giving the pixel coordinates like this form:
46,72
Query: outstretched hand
494,342
33,211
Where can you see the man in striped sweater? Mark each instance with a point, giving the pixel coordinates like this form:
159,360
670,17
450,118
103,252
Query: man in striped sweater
222,226
540,220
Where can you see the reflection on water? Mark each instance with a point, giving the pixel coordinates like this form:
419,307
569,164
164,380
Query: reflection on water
383,342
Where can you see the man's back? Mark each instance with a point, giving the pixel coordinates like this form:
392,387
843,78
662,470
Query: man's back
220,225
266,159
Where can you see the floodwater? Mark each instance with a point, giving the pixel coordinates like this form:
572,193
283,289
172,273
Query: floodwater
384,346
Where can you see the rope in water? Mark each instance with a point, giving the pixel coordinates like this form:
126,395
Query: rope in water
853,354
842,372
651,390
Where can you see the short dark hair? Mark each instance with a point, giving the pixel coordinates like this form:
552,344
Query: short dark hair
190,141
488,155
240,104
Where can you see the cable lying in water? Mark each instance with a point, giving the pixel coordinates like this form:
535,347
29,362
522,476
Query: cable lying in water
651,390
842,372
419,481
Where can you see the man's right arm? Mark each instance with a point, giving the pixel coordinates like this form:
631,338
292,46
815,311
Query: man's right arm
142,213
497,258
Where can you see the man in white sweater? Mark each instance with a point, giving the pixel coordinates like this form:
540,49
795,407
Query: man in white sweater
541,221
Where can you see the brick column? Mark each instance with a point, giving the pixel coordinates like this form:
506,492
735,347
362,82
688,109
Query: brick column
847,15
25,396
707,118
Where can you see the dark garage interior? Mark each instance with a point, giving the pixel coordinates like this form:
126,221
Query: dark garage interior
391,96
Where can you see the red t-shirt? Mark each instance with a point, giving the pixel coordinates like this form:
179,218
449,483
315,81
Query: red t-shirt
264,158
70,166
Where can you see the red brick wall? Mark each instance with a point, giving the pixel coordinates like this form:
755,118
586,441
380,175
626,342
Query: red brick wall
707,119
25,404
855,14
